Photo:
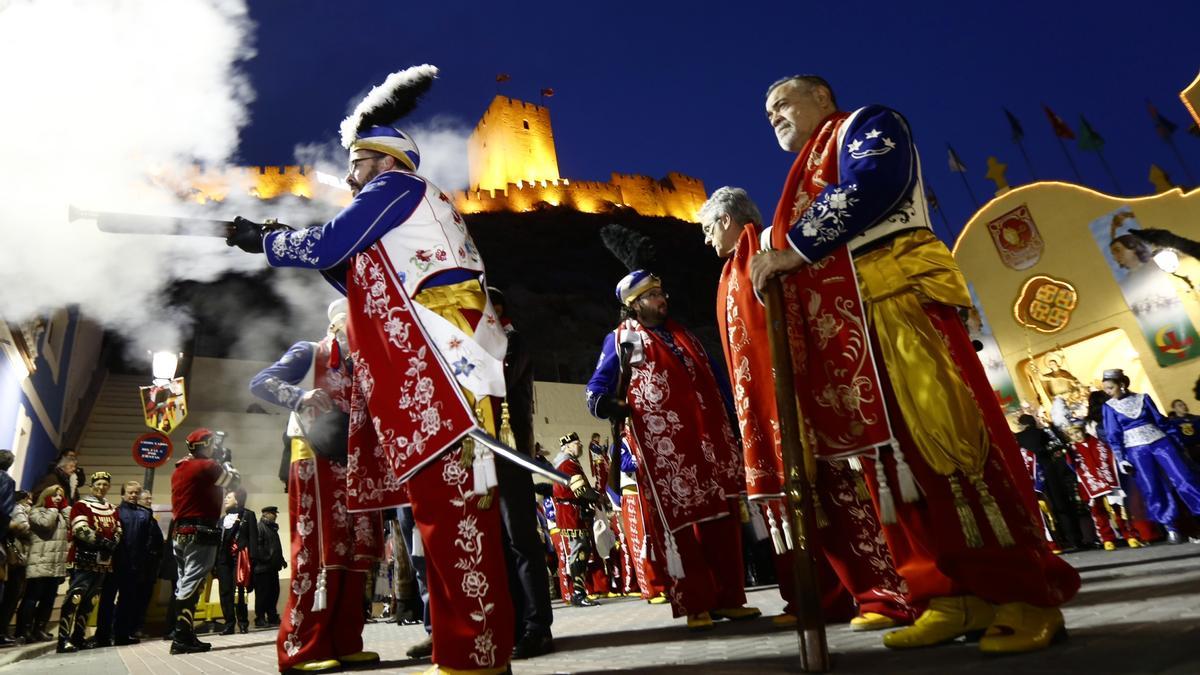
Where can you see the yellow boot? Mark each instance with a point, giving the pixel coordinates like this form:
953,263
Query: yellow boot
1110,546
1134,543
1021,627
737,613
871,621
701,621
315,666
784,621
658,600
946,619
359,659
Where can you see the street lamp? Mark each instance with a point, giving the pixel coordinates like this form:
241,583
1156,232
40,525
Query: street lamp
163,365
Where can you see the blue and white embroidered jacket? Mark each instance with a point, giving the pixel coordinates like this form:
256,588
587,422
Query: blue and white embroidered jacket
433,242
878,191
1135,421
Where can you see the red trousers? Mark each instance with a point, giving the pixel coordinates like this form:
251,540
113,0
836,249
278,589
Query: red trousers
564,556
853,558
621,558
1100,516
711,552
469,604
646,560
305,635
927,542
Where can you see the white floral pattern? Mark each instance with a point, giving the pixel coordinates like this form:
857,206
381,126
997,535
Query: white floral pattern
297,245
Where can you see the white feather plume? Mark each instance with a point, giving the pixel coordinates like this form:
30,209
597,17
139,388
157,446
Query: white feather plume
386,95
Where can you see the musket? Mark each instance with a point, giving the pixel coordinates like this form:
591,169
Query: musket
133,223
814,649
624,375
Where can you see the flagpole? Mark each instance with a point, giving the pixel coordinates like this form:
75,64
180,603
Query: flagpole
1070,161
1179,156
1109,171
963,175
1025,155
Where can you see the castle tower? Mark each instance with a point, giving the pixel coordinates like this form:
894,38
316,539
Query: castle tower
512,143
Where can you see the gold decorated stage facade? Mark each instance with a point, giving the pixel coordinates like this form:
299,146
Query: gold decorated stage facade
1047,262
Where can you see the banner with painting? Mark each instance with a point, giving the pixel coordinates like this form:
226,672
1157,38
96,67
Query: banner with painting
988,351
1152,295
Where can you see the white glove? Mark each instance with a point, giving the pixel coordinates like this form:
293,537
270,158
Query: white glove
1126,467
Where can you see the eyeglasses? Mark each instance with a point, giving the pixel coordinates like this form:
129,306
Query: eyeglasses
354,162
656,293
710,227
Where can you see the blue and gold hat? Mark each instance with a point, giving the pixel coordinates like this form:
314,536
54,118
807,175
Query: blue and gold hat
635,284
390,141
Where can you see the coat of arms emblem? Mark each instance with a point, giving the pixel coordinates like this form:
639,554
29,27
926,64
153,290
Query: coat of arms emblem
1017,238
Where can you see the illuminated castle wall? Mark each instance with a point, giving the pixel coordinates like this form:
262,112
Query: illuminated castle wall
513,166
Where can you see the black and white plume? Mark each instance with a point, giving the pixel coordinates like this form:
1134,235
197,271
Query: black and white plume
390,101
629,246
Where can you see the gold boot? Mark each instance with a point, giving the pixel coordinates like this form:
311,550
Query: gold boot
701,621
1021,627
1110,546
946,619
1134,543
737,613
784,621
871,621
359,659
443,670
315,666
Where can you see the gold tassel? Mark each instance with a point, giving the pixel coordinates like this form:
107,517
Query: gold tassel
860,483
818,510
467,458
992,510
970,528
506,432
887,506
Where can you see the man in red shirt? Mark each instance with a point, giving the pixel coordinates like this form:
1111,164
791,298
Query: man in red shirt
196,490
570,504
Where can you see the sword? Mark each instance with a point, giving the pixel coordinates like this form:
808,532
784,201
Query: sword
133,223
518,458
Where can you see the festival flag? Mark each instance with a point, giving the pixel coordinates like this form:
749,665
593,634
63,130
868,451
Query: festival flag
1089,139
1060,127
956,164
547,92
503,77
1165,127
1018,133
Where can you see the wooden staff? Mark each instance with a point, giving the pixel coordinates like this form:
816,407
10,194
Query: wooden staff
814,650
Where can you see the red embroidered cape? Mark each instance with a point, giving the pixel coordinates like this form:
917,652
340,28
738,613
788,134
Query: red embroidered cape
836,377
1096,467
406,408
688,458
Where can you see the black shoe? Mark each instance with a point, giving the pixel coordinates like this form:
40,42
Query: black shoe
421,650
170,635
229,629
273,622
6,641
533,644
66,647
582,600
196,647
244,627
260,623
41,636
123,641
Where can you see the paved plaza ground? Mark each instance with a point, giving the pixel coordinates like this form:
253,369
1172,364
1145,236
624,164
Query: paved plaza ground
1138,612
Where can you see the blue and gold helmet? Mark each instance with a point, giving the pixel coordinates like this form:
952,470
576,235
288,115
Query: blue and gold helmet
390,141
635,284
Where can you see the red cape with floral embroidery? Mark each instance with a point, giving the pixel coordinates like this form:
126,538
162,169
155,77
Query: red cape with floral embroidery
688,458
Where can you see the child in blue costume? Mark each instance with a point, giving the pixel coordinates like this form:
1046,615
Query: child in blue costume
1140,436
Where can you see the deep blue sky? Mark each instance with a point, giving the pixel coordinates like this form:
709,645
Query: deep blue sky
650,88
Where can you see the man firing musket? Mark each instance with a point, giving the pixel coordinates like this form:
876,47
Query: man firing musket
428,353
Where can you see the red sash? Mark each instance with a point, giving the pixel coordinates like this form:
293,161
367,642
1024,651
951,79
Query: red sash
836,378
685,446
1096,468
406,408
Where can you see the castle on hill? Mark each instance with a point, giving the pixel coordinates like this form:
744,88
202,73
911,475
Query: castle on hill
513,166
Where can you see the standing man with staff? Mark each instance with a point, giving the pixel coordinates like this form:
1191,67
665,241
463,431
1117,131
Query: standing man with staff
852,239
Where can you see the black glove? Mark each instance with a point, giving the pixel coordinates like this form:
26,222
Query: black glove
247,235
107,545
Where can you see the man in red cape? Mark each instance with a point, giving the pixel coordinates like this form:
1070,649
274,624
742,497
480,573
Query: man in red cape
688,463
852,224
853,554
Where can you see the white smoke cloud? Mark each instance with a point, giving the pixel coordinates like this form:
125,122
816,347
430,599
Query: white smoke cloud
100,97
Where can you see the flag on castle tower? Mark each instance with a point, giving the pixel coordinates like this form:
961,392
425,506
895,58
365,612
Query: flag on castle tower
503,77
1165,127
547,92
1060,127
